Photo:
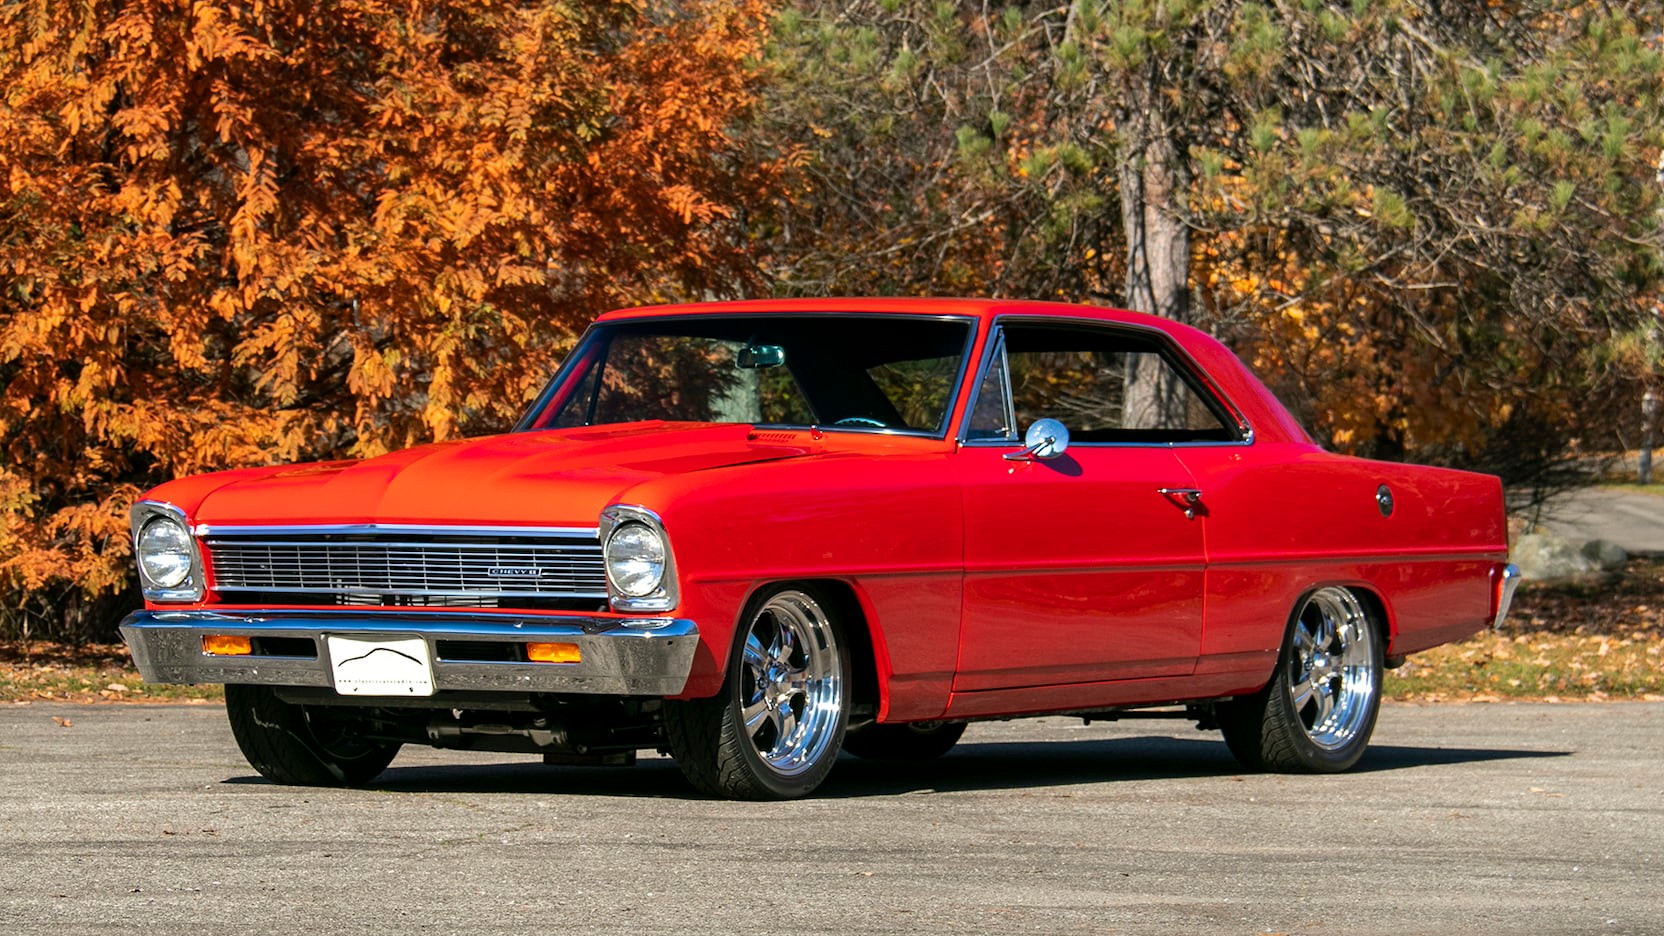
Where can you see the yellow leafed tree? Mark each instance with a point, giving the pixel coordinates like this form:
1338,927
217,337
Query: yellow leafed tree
239,233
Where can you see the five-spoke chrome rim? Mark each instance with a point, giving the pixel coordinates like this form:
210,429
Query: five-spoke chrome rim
791,683
1331,679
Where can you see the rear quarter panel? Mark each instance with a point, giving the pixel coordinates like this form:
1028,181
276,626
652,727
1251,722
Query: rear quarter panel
1283,519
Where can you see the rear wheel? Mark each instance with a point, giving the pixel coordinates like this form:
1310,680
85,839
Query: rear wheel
301,745
776,727
917,741
1318,711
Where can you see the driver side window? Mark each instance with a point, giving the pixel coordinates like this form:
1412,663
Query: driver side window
1107,385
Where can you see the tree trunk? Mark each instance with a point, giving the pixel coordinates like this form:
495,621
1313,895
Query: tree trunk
1153,182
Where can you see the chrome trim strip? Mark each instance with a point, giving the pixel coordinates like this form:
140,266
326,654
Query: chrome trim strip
1004,361
1007,443
619,657
407,560
994,345
1507,582
995,358
585,543
568,366
143,512
1187,367
569,363
1303,560
1436,554
351,529
866,430
396,591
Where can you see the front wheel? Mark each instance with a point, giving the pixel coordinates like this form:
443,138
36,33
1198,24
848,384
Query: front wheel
1318,711
776,727
299,745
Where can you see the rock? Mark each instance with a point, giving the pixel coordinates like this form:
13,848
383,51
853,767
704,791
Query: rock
1544,557
1605,554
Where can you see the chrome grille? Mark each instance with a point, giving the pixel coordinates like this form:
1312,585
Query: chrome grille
366,565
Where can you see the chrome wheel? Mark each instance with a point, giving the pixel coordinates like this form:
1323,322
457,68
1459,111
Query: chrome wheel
1332,666
791,683
775,729
1318,711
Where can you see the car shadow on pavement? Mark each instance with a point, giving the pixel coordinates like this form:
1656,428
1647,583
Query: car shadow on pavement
1391,757
1049,764
968,767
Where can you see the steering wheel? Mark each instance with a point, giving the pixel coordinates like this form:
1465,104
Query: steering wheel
862,421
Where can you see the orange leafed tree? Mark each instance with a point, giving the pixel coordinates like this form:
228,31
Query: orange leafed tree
236,233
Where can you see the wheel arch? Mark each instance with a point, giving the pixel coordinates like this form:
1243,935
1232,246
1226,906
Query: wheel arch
1380,613
1374,604
859,621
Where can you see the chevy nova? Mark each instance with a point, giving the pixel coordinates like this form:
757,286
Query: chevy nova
757,534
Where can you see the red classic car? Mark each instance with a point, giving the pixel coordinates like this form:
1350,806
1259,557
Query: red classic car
757,534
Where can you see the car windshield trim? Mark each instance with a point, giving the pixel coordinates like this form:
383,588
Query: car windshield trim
572,367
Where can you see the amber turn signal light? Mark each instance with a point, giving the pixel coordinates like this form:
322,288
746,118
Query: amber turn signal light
553,653
227,645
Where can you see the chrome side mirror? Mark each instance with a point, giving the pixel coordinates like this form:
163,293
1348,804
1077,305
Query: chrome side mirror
1045,438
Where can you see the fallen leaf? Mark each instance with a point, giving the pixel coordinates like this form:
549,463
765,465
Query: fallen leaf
63,722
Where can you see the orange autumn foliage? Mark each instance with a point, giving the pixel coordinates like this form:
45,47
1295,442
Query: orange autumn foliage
241,233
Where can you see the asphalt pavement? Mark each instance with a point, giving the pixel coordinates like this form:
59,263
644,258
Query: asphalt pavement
1632,519
1484,818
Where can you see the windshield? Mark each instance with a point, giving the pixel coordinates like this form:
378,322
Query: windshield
896,373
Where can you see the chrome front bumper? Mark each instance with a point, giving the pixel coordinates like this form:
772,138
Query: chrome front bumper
634,657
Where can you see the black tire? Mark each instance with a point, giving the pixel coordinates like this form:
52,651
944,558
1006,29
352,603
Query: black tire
1319,710
789,672
917,741
301,746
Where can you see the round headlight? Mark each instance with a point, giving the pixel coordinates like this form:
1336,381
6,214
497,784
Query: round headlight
635,559
165,552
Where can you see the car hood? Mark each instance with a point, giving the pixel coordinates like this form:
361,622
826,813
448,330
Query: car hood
551,478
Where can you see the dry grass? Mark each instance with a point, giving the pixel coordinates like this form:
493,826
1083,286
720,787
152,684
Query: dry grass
41,671
1550,667
1599,639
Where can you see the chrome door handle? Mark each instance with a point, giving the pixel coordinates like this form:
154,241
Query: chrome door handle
1188,498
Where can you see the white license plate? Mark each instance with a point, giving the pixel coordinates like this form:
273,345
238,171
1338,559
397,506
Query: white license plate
380,666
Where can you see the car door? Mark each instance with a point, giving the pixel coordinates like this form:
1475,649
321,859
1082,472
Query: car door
1088,566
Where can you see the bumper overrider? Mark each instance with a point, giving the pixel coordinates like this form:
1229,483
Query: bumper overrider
467,652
